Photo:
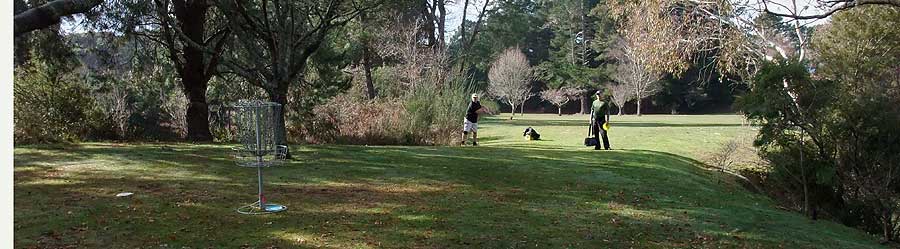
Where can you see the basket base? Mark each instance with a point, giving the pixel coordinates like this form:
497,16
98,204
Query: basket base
265,209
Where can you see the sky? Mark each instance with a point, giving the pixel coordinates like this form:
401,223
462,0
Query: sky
454,13
806,7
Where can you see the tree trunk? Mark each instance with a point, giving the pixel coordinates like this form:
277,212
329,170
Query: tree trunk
197,115
639,107
280,97
886,225
49,14
805,196
468,44
620,110
584,103
560,110
441,23
367,67
194,75
522,109
462,24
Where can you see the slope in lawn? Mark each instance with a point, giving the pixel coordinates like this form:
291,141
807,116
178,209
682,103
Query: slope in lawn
506,193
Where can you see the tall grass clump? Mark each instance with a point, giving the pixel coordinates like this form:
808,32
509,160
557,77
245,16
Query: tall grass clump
426,114
434,114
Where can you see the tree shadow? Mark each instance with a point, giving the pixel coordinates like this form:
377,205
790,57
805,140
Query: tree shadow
537,124
658,124
487,138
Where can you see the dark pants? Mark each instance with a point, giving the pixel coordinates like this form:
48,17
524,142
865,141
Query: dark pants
600,133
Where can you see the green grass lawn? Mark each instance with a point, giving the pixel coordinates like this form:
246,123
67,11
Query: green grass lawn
506,193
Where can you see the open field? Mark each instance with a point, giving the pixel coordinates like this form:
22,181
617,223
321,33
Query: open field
506,193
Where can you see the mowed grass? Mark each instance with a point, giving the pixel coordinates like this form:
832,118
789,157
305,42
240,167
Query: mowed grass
507,193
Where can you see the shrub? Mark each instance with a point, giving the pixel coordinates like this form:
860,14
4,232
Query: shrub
137,105
49,105
348,120
724,158
426,115
434,114
491,105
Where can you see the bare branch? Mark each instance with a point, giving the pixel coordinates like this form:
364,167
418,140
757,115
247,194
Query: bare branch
510,77
835,6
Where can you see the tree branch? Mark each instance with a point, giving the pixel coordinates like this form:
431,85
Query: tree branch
840,6
50,14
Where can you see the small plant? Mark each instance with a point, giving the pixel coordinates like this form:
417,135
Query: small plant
559,97
725,157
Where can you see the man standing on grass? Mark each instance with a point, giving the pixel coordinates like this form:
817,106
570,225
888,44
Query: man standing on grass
600,115
470,123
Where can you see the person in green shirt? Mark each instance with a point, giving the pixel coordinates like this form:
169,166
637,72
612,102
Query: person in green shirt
600,115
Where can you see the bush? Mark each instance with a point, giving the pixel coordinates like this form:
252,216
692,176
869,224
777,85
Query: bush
50,105
434,114
491,106
137,105
348,120
792,138
426,115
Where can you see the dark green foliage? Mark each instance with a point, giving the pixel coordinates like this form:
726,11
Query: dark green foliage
324,79
50,105
831,146
578,39
507,24
51,102
107,89
794,136
678,95
867,116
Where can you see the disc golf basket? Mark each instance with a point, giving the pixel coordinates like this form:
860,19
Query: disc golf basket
255,122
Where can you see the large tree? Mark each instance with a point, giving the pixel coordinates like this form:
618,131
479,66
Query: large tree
572,58
195,67
465,44
434,13
734,36
274,39
867,126
192,35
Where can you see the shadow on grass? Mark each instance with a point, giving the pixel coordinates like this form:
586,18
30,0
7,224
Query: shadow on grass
537,124
358,196
485,139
